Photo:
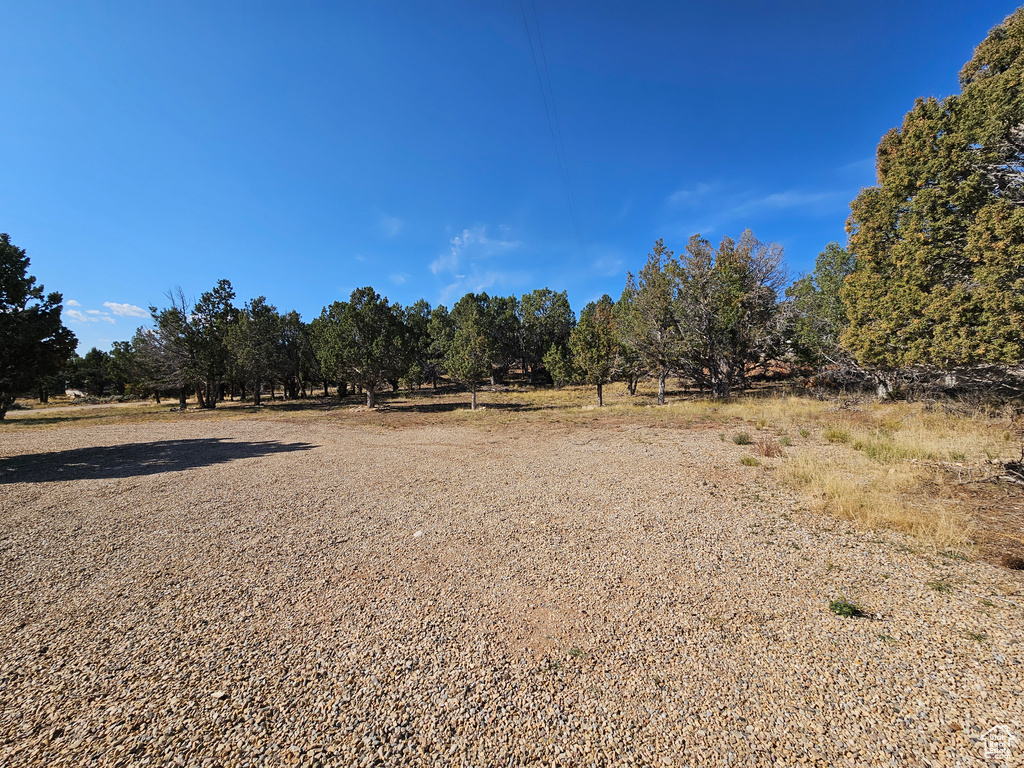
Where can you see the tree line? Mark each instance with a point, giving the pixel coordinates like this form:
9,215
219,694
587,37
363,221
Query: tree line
932,280
706,315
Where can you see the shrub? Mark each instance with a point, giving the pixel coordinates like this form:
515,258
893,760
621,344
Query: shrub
835,435
843,607
742,438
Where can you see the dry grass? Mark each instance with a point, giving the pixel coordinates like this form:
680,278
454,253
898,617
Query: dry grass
904,497
768,447
881,465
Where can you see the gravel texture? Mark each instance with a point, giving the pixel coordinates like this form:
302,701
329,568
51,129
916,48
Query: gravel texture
266,591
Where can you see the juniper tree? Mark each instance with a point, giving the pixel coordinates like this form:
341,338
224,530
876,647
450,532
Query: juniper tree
938,242
595,344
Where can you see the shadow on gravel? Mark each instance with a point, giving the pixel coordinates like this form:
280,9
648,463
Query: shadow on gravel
134,459
456,406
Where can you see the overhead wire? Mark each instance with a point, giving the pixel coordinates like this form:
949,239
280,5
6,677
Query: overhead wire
554,126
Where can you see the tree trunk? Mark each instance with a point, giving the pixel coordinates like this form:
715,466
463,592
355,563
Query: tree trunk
435,381
199,397
662,375
242,393
182,398
370,396
44,396
600,395
256,387
327,392
394,385
473,406
156,394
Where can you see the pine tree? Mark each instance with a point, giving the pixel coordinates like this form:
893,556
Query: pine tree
33,341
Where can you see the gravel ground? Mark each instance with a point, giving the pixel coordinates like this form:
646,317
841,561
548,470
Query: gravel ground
266,591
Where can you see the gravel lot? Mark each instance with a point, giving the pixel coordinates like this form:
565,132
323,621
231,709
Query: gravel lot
311,592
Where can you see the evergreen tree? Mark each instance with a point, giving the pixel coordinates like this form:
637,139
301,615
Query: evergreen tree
461,338
33,341
817,312
371,341
546,320
938,243
726,303
254,342
649,323
595,344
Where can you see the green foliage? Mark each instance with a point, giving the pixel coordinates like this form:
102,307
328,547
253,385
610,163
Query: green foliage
254,341
648,321
461,338
499,320
370,338
189,348
211,319
939,242
33,341
727,309
742,438
328,346
297,363
749,461
836,435
595,344
558,363
818,314
424,363
546,320
843,607
90,373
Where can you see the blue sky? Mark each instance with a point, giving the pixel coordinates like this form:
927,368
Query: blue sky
302,150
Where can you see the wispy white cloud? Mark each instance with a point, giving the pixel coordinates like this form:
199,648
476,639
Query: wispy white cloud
125,310
71,303
80,317
608,266
864,165
778,201
89,315
474,262
390,225
692,196
472,245
477,281
399,278
709,207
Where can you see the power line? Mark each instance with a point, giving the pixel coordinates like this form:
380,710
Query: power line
554,127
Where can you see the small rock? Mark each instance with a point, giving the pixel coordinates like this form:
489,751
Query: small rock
219,695
417,534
